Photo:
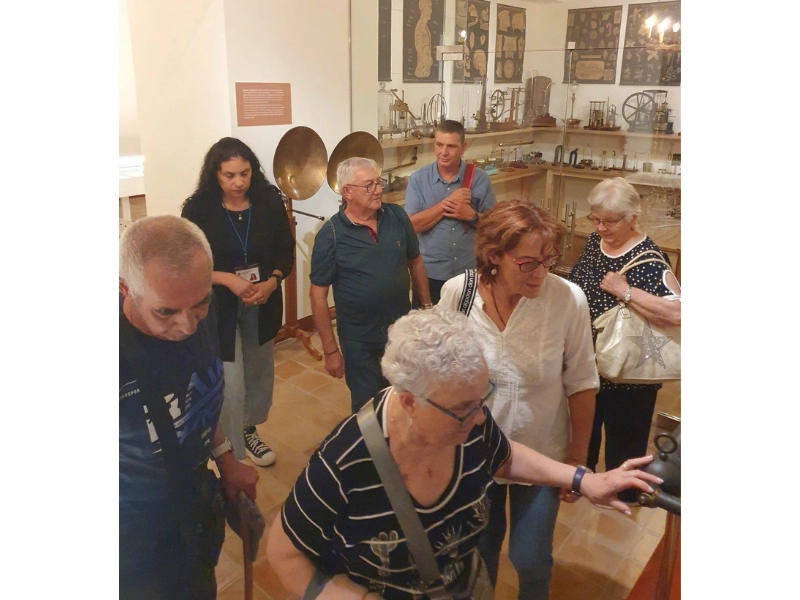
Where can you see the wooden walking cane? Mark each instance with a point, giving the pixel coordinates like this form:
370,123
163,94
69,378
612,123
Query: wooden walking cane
244,533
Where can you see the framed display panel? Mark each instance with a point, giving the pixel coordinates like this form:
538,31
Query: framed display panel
472,19
423,27
509,44
595,33
384,40
652,56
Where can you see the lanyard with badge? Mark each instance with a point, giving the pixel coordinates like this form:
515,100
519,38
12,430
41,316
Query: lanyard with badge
248,272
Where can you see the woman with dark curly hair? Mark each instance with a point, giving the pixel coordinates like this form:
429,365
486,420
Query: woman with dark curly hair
535,331
243,217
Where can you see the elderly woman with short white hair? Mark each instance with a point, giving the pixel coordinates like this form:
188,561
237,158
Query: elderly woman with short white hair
338,535
624,411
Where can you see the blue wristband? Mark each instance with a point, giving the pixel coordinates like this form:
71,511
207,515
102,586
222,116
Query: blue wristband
576,480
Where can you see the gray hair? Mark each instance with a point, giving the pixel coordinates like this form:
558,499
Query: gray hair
617,196
431,348
347,169
171,239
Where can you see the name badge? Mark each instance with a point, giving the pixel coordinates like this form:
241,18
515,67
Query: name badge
250,273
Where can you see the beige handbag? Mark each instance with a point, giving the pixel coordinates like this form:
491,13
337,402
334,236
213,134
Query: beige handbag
631,350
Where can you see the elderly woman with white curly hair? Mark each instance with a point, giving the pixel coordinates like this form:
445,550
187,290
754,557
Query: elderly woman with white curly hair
338,536
625,411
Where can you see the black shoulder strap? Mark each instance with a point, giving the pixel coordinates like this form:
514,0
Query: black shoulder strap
180,474
416,538
468,293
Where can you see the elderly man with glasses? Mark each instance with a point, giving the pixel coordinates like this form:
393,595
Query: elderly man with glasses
369,253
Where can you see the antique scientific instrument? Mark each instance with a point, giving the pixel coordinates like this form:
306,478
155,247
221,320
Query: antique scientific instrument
497,109
602,116
481,122
648,112
572,121
394,116
299,170
537,102
358,143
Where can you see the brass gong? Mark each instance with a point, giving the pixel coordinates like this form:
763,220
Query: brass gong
299,163
358,143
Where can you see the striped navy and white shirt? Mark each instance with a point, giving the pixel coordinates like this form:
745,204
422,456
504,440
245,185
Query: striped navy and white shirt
339,516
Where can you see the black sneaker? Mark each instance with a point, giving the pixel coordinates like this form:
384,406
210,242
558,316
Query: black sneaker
261,454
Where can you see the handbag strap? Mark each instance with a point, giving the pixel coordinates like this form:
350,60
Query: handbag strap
629,266
649,253
416,539
468,293
181,478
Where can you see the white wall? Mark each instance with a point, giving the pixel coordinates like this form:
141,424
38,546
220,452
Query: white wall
129,144
304,43
181,72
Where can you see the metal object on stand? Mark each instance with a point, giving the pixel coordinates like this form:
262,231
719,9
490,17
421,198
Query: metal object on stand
572,121
573,159
537,102
648,112
481,123
358,143
299,169
602,116
667,466
437,109
386,125
558,155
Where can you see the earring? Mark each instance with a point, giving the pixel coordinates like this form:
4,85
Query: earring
494,271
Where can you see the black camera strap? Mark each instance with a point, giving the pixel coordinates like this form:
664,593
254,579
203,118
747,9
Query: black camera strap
181,475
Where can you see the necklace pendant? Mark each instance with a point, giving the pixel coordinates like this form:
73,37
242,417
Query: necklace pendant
240,216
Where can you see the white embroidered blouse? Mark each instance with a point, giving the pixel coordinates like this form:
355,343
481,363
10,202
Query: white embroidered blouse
544,355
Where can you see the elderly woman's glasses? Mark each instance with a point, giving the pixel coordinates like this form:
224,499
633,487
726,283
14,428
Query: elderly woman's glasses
606,222
471,411
532,265
370,187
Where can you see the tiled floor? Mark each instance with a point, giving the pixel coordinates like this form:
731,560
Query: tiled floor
598,553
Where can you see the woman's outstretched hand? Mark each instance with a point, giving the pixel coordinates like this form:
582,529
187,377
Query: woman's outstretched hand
602,488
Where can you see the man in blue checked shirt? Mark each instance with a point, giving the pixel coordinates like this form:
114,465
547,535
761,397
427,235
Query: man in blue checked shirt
444,201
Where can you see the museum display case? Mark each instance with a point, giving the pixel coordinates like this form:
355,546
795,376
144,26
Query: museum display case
553,99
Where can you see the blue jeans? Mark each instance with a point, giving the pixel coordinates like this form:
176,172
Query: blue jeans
249,380
533,519
362,371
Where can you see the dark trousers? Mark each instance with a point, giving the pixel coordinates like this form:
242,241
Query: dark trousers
164,575
626,416
435,286
153,562
362,371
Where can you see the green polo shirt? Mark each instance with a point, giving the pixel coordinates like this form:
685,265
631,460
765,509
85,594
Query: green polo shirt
370,279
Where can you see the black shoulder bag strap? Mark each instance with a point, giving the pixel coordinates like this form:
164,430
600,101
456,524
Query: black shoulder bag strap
468,293
416,538
181,476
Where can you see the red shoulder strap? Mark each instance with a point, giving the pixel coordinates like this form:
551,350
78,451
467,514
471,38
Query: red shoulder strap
468,173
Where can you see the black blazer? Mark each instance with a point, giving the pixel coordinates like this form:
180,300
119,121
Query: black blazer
270,244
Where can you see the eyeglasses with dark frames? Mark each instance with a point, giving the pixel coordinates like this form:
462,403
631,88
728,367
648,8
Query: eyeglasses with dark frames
471,411
370,187
532,265
606,222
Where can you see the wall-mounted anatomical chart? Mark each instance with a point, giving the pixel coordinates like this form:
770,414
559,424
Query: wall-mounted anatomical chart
423,22
509,49
472,20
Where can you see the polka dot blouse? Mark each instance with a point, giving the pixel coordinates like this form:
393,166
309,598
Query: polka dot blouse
593,266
